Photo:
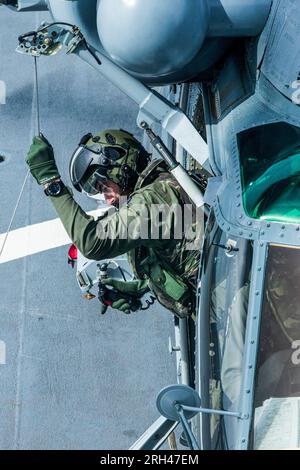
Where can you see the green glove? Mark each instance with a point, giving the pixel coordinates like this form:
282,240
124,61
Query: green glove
123,306
134,289
41,162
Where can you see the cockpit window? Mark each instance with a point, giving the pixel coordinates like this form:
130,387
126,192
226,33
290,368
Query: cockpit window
229,262
277,392
270,172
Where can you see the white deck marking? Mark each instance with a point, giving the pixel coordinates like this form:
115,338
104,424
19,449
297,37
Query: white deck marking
36,238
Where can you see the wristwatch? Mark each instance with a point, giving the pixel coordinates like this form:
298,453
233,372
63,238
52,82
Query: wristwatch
54,188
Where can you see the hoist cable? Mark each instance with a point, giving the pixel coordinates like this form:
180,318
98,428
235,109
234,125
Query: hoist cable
14,213
37,97
37,102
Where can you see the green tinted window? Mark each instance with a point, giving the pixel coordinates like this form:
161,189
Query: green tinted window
277,387
270,171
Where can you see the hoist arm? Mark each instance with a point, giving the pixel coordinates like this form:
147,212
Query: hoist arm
50,38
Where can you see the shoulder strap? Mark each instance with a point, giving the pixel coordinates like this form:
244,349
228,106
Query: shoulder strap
150,173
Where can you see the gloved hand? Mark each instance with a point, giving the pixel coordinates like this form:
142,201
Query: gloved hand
131,289
41,162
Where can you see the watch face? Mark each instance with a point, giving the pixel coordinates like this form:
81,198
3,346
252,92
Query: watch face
54,189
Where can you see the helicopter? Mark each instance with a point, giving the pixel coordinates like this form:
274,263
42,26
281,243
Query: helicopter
219,82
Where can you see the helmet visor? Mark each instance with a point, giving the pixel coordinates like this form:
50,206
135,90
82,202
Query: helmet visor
93,180
82,160
89,166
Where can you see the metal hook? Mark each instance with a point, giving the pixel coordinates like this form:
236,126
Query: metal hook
149,303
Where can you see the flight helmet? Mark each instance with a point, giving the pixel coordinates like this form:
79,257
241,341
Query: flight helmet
114,155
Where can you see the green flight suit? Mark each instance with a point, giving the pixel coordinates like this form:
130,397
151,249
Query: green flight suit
160,251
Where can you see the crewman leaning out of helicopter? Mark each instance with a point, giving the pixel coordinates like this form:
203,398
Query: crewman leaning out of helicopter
114,163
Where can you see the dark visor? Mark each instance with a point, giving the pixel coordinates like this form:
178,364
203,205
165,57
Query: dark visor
92,181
